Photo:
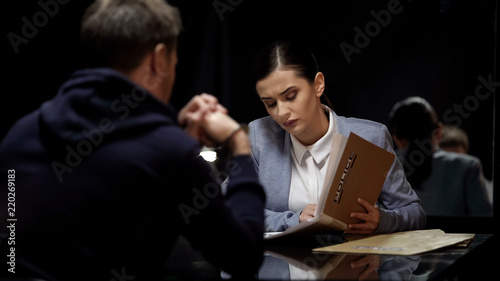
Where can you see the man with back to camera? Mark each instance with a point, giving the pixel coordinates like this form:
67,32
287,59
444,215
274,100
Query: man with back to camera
105,179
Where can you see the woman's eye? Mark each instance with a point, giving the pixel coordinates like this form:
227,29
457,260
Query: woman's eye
271,104
292,96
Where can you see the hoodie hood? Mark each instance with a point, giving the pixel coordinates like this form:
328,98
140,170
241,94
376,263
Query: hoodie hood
100,104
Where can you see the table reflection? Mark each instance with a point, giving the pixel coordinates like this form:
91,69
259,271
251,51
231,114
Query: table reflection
302,264
293,259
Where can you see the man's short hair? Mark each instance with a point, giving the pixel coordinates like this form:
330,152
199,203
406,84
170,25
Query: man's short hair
119,33
452,136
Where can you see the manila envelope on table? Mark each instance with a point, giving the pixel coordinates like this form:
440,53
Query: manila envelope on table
400,243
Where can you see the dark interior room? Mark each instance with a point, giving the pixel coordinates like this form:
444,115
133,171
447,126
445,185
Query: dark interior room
372,54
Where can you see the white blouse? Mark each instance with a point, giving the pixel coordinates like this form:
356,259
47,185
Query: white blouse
309,164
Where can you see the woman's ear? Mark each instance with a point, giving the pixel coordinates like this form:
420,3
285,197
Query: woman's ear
319,84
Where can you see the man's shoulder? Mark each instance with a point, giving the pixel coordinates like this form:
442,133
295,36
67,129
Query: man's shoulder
458,159
21,129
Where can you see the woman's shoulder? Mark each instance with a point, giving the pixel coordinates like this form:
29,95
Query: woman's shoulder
263,126
263,122
353,123
367,129
265,132
343,124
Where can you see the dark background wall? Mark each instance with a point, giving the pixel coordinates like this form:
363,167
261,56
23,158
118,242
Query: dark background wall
435,49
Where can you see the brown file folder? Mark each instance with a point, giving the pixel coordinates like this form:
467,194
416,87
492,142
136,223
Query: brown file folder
357,169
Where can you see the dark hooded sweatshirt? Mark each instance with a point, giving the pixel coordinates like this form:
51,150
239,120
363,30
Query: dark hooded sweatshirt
106,181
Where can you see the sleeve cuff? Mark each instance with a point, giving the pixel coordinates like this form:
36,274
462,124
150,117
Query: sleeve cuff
385,222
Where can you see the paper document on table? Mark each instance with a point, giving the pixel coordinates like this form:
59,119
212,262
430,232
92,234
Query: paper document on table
400,243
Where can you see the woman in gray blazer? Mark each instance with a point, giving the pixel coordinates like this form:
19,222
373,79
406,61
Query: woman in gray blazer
291,146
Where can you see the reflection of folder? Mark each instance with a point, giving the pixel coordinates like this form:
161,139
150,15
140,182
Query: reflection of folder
357,169
344,271
324,266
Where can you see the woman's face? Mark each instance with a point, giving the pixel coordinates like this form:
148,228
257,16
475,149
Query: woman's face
292,101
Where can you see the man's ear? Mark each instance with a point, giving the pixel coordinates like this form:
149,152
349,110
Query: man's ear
158,59
319,84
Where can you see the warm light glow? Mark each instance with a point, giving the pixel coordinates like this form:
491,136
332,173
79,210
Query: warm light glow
209,156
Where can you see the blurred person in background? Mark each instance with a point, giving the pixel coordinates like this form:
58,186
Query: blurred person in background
447,183
454,139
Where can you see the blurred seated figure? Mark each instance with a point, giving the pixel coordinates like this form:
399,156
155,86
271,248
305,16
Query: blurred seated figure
454,139
447,183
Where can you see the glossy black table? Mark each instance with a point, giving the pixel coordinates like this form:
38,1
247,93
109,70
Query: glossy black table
293,260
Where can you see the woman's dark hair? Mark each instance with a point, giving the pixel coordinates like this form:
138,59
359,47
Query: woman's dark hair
413,119
287,55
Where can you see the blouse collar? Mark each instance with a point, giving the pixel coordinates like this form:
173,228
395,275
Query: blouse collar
320,149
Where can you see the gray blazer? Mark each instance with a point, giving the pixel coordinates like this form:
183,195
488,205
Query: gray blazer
399,205
455,187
